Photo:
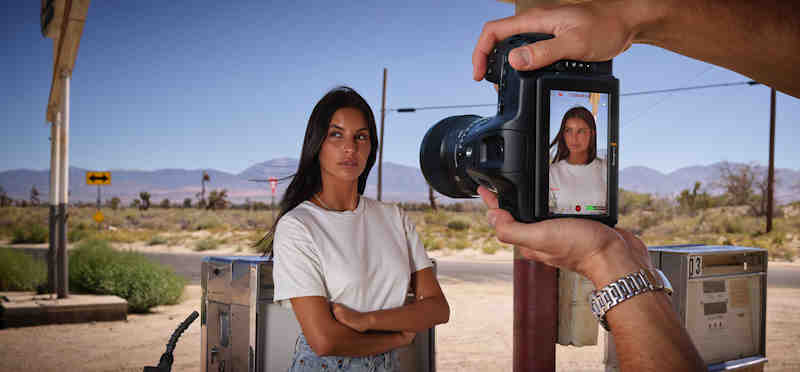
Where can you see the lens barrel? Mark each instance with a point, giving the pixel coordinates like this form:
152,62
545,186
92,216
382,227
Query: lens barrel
438,156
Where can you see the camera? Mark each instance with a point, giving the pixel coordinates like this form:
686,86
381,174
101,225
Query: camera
550,151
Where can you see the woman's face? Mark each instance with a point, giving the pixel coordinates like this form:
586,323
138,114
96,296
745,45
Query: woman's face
577,134
346,147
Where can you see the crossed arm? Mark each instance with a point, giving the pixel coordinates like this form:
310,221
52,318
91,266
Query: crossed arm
333,329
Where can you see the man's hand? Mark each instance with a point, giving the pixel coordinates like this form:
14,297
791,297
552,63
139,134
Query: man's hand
353,319
585,32
589,248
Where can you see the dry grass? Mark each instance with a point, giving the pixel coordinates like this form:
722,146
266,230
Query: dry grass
238,230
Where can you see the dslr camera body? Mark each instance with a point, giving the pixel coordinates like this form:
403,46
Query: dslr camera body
570,104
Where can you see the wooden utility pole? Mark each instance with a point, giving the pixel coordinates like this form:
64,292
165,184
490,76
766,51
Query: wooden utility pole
771,174
380,144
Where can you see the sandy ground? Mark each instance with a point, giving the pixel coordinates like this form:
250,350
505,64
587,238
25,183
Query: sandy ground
477,338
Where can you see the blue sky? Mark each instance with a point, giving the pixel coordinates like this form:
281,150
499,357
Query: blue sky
203,84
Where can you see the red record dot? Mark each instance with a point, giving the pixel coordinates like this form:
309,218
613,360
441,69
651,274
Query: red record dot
577,208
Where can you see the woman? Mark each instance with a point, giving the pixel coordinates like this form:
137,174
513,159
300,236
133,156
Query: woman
344,262
578,178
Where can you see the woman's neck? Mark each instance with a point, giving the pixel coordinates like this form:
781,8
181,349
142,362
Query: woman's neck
578,158
337,197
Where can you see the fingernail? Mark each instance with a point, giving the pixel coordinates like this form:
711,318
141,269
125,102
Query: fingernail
520,57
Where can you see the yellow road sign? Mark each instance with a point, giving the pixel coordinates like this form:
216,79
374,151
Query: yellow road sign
98,178
98,217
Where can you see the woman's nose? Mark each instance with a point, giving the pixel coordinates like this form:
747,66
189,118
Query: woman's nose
350,146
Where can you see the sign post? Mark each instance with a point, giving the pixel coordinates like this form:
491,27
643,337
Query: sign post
99,179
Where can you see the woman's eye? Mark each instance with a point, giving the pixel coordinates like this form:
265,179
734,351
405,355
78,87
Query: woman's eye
334,134
362,137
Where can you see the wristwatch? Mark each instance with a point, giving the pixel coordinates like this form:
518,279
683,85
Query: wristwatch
644,280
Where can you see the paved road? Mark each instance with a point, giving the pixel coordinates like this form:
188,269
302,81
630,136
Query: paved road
188,265
781,275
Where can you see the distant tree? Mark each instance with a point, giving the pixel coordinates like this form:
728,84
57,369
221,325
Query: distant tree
743,186
187,203
201,203
136,203
217,199
164,204
34,196
145,196
114,203
22,203
5,201
630,201
690,202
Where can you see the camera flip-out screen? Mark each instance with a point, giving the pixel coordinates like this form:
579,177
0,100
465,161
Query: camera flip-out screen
578,153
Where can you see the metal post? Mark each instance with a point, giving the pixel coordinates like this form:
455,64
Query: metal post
771,174
380,144
63,273
55,132
535,295
535,315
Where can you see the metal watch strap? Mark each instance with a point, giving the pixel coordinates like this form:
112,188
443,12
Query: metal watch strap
622,289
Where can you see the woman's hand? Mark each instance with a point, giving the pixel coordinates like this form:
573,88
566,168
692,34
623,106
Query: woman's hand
408,337
355,320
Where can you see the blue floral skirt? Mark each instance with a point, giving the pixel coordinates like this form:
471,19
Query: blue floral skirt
306,360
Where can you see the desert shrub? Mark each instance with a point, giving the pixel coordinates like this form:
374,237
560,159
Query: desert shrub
490,246
157,240
98,269
207,222
206,245
458,225
31,233
435,217
460,244
77,234
19,271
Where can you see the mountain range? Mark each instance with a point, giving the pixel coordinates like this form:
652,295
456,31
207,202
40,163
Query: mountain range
400,182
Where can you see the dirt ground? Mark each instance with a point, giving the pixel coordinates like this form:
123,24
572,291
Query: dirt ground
477,338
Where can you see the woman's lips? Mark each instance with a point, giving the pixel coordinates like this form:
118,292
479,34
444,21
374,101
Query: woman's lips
349,163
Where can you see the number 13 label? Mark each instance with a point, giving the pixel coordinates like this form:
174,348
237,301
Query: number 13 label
695,266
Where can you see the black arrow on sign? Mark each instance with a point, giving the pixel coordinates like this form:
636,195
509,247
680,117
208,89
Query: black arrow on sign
95,178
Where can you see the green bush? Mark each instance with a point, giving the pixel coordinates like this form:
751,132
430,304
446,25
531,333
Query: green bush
98,269
458,225
31,234
157,240
19,271
206,245
76,235
460,244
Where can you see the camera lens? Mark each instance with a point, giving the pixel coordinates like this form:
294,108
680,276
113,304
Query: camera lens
443,157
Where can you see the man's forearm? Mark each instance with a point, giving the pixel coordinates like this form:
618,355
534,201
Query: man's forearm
414,317
760,39
649,316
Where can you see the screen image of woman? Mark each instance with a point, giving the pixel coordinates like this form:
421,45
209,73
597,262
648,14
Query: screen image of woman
578,175
343,262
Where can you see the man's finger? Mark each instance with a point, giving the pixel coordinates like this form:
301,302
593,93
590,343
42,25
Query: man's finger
498,30
489,198
537,55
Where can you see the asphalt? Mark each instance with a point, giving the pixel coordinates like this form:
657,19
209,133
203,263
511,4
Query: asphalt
188,265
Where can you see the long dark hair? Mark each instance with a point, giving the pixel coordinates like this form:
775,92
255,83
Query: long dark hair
584,114
307,180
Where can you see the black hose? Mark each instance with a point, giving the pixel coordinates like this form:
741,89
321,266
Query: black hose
165,363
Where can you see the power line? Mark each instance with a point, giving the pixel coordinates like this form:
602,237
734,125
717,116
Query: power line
414,109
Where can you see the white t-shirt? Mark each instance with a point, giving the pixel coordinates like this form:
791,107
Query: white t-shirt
579,189
362,259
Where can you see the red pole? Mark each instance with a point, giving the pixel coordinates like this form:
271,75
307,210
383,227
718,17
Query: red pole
535,315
